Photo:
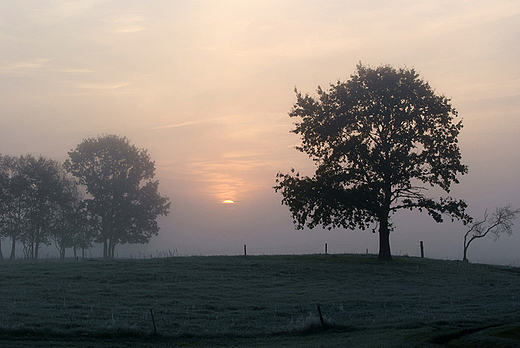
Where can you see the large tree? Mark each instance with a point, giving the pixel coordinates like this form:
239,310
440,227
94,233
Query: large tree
378,141
125,201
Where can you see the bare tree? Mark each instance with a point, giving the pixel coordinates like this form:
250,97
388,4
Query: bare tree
500,222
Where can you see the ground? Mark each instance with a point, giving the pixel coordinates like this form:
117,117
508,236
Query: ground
260,301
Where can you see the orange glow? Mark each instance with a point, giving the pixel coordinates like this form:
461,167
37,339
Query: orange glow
228,201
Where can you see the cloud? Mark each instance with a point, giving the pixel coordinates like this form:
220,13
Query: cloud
128,19
77,71
241,154
101,86
128,29
23,68
222,120
177,125
126,24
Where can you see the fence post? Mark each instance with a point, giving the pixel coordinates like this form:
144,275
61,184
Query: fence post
245,250
422,249
326,251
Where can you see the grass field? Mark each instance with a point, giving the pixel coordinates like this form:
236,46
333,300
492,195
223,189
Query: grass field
259,301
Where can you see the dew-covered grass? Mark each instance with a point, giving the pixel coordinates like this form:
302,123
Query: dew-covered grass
259,301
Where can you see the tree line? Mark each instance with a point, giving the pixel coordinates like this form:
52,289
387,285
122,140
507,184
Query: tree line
104,192
379,140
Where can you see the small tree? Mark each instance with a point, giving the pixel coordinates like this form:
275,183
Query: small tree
377,140
500,222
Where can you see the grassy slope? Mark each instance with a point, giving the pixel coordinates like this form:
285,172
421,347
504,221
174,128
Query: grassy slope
259,301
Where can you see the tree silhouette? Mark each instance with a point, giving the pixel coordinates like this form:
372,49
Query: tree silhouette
500,222
34,189
14,200
35,194
70,222
377,140
4,194
125,200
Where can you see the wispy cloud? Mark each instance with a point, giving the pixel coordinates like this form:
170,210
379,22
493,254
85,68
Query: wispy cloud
77,71
22,67
225,119
100,86
128,29
241,154
177,125
126,24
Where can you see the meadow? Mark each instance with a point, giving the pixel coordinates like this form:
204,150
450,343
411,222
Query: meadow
259,301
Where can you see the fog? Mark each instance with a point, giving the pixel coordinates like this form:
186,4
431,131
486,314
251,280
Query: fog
205,87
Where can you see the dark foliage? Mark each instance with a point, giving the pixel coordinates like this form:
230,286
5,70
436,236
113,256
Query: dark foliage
378,141
125,200
35,193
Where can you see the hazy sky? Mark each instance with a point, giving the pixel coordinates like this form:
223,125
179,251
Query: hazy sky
206,86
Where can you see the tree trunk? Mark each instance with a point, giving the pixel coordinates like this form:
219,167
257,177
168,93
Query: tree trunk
25,248
111,248
105,249
13,247
1,254
384,226
384,240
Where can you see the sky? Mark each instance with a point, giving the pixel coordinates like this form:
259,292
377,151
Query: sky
206,86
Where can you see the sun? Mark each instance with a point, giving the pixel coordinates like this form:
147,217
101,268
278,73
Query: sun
228,201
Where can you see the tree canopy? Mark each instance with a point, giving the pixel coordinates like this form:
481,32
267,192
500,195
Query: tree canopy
34,192
125,201
378,140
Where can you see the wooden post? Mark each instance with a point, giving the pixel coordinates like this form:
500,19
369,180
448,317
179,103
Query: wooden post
245,250
326,249
422,249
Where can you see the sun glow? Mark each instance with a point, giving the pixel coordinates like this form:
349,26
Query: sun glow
228,201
